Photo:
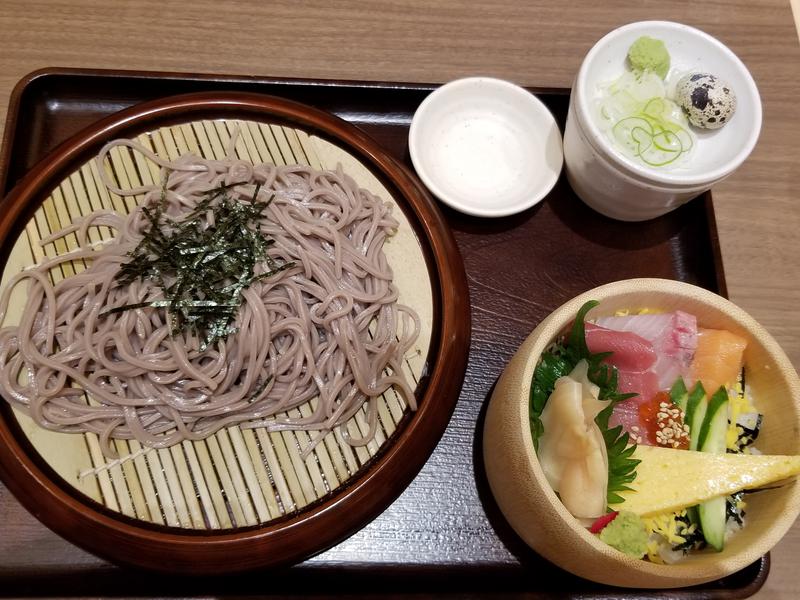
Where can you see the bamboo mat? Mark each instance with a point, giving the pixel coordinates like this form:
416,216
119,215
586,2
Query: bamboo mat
237,477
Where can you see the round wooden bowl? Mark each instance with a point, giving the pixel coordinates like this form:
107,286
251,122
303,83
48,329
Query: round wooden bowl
205,528
537,515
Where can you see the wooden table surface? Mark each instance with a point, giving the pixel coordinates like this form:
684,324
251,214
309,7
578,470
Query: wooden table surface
533,43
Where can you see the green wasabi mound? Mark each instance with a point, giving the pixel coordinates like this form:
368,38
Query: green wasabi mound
627,534
649,54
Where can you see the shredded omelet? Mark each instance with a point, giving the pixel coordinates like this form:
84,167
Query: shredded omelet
624,312
739,403
670,529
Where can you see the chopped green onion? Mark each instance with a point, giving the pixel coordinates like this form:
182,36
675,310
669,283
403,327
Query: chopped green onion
643,122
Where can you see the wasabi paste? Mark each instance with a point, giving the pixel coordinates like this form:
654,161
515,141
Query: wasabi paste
649,54
627,534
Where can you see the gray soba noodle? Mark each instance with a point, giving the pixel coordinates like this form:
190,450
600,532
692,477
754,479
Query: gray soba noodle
328,327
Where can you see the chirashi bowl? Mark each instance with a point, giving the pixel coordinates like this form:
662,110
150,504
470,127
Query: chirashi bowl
536,513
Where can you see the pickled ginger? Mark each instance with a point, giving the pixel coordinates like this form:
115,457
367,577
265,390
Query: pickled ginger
572,451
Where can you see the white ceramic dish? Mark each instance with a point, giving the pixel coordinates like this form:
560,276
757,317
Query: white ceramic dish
485,146
616,185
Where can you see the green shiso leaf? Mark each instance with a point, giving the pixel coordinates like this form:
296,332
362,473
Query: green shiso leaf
559,360
577,347
552,366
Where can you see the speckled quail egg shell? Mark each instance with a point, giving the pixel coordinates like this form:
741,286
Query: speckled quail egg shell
709,102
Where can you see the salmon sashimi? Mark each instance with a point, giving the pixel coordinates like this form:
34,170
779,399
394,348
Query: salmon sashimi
718,359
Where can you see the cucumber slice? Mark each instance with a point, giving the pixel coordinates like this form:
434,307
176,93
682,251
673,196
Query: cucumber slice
679,394
712,521
696,406
714,430
680,398
712,439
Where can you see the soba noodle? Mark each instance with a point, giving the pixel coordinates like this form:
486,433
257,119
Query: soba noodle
328,327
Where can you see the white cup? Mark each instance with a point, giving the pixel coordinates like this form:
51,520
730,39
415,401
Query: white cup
621,188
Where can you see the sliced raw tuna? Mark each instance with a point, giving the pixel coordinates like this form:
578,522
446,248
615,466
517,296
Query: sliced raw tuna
674,339
650,352
632,355
634,358
631,352
626,413
644,383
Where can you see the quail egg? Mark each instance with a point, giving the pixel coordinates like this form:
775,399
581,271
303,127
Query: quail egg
709,101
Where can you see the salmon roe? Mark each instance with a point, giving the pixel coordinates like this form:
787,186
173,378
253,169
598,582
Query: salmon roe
663,423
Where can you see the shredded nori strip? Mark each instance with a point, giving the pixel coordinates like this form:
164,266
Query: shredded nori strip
693,541
747,435
733,512
202,269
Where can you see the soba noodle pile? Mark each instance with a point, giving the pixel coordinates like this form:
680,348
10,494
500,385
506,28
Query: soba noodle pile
328,327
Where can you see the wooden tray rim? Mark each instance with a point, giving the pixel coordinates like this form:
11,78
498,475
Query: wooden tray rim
22,87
